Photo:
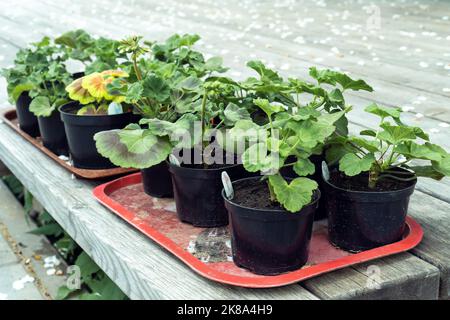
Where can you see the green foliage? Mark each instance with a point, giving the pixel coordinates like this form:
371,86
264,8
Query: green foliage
290,135
293,195
171,90
97,54
14,185
393,145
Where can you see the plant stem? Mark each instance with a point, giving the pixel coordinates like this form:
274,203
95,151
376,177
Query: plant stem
273,198
373,178
203,114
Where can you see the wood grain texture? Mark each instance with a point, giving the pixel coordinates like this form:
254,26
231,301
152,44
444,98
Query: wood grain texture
400,277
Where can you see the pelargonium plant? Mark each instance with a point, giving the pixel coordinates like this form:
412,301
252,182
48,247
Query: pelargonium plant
91,91
171,91
394,151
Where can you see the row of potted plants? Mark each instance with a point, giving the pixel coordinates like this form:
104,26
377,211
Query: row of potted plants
165,109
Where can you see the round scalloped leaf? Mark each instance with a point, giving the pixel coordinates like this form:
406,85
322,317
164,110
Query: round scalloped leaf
352,165
294,195
304,167
151,150
41,107
78,93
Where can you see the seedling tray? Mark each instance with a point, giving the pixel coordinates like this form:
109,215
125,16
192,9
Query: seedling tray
10,118
208,252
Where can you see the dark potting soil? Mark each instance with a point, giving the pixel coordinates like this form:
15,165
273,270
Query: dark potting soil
254,194
361,182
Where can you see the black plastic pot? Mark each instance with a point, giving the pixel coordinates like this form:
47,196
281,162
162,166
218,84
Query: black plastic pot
28,122
80,131
363,220
267,241
197,194
157,181
288,172
53,134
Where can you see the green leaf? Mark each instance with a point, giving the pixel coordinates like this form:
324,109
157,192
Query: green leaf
19,89
156,88
396,134
427,151
51,229
151,151
443,166
91,296
190,83
178,132
330,118
106,288
352,165
137,140
420,133
234,113
310,133
304,167
87,265
427,171
370,133
263,71
134,92
41,107
336,97
371,146
64,292
268,108
215,64
294,195
305,113
333,77
256,158
384,112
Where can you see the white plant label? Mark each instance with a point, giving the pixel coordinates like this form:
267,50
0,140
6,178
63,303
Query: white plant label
114,108
227,186
173,160
325,171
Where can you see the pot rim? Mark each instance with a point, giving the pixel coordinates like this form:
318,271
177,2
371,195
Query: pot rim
201,169
109,116
393,192
317,193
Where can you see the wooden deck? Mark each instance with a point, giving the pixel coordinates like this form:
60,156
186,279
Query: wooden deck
406,60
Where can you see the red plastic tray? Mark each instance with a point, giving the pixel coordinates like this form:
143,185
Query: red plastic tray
10,118
208,252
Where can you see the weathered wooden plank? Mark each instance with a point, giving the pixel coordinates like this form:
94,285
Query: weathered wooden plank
434,216
141,268
282,54
398,277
